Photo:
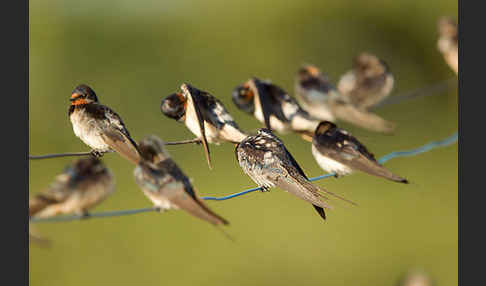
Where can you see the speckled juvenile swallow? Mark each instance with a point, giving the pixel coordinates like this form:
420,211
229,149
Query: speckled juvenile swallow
337,151
321,99
81,186
98,126
204,115
448,43
264,158
272,106
166,185
368,83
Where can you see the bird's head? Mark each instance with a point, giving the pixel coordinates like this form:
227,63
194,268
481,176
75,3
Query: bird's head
83,94
152,149
369,65
243,98
174,106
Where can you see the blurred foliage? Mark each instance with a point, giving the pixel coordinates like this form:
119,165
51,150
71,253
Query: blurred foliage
134,53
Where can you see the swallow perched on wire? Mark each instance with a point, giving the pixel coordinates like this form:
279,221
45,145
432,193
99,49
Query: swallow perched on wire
166,185
323,101
264,158
204,115
99,127
368,83
81,186
337,151
448,42
315,92
271,105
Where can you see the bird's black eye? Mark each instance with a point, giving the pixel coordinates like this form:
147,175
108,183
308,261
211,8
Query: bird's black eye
174,106
243,98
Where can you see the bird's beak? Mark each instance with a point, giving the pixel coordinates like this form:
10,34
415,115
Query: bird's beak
74,96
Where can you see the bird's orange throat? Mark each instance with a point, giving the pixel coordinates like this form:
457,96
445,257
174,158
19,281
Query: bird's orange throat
80,101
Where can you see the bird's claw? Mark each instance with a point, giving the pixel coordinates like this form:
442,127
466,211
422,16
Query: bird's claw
265,189
96,154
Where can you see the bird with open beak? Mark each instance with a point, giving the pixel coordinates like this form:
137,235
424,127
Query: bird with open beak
204,115
164,183
99,127
323,101
368,83
448,42
337,151
274,107
264,158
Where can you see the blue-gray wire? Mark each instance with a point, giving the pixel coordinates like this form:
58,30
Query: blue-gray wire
427,147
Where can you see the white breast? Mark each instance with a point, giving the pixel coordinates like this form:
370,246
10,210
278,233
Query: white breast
319,110
88,130
329,165
161,202
192,123
274,122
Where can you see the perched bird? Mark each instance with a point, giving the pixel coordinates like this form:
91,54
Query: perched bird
272,106
337,151
315,92
98,126
368,83
81,186
166,185
204,115
264,158
320,98
448,42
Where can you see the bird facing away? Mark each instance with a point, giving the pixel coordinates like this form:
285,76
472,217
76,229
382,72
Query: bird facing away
448,42
166,185
264,158
204,115
81,186
99,127
319,97
337,151
272,106
368,83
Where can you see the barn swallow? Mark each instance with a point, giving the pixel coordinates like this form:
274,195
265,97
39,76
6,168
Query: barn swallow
448,42
166,185
272,106
369,82
315,92
321,99
98,126
337,151
81,186
203,114
264,158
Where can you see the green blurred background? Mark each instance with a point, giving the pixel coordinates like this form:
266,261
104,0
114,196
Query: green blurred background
133,53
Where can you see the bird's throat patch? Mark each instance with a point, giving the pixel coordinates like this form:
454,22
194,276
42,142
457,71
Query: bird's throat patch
79,101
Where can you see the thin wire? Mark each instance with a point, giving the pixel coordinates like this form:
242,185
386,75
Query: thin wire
94,215
433,89
49,156
427,147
